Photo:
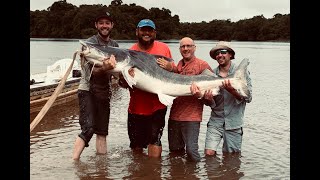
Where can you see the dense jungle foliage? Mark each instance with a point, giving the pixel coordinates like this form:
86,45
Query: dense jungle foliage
65,20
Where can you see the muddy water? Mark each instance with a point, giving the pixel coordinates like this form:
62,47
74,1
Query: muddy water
265,149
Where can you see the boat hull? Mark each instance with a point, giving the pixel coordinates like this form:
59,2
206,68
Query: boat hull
40,93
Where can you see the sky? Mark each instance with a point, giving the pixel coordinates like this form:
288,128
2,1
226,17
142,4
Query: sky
195,10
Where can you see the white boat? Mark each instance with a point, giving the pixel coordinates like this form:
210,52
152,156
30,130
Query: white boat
42,85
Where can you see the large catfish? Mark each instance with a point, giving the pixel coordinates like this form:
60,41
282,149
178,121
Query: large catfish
150,77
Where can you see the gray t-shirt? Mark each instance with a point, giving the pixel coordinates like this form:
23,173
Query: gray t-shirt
86,69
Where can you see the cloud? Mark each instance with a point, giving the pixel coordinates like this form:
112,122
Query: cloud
196,10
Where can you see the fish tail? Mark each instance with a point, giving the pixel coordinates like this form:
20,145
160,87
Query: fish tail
241,75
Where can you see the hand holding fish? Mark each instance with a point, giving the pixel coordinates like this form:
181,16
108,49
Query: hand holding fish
195,90
207,97
131,72
109,63
122,82
165,64
227,85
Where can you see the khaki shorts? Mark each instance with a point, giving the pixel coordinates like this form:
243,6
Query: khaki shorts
232,139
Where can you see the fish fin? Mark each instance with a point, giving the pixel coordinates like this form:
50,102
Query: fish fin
208,73
166,99
130,80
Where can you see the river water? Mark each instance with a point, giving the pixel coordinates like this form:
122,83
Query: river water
266,142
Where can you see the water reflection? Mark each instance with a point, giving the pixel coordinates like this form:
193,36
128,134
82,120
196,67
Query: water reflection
95,168
57,122
226,168
57,116
143,167
181,168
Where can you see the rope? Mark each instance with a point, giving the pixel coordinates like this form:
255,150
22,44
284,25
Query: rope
53,97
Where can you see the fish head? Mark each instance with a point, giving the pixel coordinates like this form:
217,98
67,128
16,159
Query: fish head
85,49
88,48
95,54
91,53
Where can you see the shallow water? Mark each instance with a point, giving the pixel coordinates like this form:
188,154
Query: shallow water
266,142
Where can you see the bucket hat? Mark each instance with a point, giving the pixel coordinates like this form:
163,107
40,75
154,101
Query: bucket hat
222,45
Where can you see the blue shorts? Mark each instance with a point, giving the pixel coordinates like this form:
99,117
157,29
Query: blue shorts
145,130
232,139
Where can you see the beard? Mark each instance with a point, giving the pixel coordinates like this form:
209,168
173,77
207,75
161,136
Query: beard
105,35
145,43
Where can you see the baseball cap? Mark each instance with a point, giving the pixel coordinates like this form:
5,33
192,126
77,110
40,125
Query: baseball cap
146,22
104,14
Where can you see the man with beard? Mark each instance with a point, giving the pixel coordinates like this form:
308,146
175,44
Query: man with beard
227,108
94,92
146,114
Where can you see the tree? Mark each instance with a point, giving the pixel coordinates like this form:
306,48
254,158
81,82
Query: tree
116,2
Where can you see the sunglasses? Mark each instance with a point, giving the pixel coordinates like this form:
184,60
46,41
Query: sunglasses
222,51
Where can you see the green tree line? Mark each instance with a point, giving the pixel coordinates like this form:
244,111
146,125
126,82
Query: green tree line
65,20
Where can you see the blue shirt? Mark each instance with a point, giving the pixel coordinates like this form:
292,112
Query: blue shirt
226,109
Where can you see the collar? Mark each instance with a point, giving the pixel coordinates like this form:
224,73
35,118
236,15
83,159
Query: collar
230,71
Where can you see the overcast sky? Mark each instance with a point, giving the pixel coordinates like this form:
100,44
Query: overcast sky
195,10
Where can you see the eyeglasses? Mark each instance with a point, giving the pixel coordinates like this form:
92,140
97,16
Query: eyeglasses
186,46
222,51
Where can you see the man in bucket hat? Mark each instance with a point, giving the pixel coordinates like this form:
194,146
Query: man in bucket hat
222,45
228,107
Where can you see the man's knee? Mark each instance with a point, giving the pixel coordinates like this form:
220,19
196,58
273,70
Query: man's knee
86,136
193,154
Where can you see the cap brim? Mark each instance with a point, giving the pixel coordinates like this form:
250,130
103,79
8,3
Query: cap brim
106,17
146,26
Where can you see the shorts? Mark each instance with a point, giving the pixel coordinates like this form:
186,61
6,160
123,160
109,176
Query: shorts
144,130
232,139
94,115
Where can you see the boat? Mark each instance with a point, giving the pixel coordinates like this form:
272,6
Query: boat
42,85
